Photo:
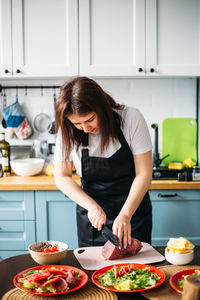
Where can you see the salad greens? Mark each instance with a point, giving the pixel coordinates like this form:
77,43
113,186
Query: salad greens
126,278
180,282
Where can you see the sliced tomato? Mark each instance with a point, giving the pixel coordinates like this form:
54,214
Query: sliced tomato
49,249
54,249
127,269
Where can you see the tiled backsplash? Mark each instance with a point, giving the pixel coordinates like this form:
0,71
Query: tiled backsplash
157,99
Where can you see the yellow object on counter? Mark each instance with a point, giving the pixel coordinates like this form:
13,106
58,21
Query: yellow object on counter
188,163
175,165
180,245
49,170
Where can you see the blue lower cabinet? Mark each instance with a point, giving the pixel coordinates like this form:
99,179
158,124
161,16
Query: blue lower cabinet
175,214
17,205
17,222
7,254
16,235
56,218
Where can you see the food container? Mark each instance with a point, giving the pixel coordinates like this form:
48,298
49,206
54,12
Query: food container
196,173
49,257
178,258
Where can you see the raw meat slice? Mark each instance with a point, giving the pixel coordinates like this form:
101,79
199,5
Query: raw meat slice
60,285
110,251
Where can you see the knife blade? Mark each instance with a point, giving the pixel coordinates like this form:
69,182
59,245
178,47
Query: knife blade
108,235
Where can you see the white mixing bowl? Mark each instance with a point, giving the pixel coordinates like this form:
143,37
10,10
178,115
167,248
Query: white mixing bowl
27,166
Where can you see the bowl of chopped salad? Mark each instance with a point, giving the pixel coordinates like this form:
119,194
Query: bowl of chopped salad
48,252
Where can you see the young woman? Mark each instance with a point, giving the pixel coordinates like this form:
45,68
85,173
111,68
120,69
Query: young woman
110,146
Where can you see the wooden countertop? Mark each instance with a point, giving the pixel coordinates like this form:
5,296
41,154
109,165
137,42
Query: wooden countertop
43,182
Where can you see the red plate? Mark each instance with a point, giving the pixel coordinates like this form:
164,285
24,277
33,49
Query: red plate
173,281
96,274
82,282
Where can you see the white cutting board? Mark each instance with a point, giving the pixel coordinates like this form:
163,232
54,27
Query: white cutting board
92,259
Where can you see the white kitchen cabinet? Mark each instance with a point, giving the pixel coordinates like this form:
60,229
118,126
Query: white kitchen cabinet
172,37
139,37
112,37
38,38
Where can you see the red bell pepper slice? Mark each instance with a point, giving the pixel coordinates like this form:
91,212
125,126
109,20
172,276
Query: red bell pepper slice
37,277
115,271
50,281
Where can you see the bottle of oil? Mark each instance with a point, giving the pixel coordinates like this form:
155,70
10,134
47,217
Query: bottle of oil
4,154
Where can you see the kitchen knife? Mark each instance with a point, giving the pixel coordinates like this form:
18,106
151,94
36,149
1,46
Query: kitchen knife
108,235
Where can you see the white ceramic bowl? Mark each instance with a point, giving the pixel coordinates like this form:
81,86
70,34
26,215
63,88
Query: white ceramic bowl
179,259
48,258
27,166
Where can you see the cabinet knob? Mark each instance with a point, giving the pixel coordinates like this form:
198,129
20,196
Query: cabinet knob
18,71
152,70
140,70
6,71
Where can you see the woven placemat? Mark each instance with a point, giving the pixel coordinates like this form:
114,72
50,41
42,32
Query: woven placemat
88,292
165,292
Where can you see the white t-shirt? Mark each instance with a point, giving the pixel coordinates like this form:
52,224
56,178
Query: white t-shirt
134,129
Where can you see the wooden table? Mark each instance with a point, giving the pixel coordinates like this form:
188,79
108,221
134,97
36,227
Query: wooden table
13,265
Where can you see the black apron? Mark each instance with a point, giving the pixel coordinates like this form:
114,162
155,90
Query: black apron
108,182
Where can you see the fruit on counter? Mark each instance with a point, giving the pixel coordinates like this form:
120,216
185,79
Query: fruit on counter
179,245
175,165
49,170
188,163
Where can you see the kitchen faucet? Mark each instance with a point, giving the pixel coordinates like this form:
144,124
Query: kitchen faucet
156,156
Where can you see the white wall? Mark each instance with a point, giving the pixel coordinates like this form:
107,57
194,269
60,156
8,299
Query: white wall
157,99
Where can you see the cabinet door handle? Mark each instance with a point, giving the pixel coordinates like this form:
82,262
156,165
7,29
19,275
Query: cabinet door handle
18,71
6,71
140,70
152,70
167,195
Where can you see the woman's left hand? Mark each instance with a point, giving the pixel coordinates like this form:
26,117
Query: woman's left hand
122,230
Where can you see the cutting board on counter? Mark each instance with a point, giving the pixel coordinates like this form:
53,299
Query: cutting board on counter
179,139
91,258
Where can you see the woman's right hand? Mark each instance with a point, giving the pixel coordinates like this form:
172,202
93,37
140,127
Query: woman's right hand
97,216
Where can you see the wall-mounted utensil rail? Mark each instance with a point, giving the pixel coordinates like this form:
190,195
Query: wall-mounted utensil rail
28,87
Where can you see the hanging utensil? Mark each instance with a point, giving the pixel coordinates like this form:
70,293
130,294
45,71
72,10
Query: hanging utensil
16,97
3,122
52,127
42,122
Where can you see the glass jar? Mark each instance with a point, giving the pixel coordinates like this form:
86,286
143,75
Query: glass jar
1,171
196,173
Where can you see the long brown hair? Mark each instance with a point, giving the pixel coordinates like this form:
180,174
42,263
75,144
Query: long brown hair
82,95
